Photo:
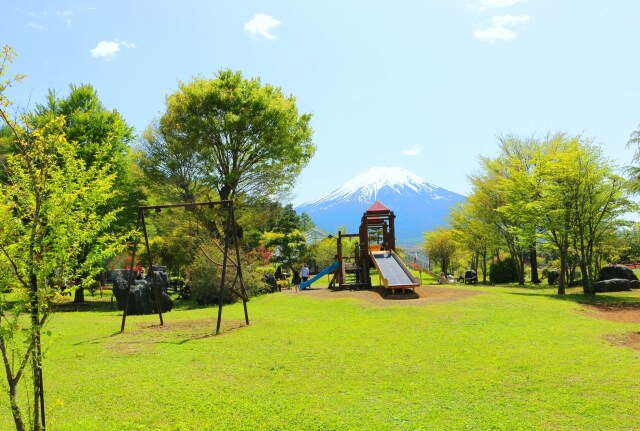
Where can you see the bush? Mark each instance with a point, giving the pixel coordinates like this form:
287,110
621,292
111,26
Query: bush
205,279
504,271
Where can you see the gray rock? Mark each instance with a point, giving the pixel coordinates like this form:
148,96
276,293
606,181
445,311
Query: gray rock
612,285
141,297
553,276
610,272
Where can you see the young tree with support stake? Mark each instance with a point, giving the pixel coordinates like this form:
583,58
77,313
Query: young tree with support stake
48,202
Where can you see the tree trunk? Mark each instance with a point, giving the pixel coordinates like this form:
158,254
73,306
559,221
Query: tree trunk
533,259
520,263
563,264
15,408
36,353
484,266
587,288
78,296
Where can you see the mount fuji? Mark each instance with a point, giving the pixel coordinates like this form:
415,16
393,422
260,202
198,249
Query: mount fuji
418,205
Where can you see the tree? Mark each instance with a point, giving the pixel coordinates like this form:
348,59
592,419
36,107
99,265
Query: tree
440,247
504,196
48,201
601,202
103,140
634,171
559,192
231,134
631,238
473,234
287,238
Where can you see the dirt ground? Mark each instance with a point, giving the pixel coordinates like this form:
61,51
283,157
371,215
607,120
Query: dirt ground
426,295
623,313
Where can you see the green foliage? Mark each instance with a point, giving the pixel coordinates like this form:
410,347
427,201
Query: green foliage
504,271
324,252
631,238
230,134
205,276
287,240
103,139
440,246
559,190
50,235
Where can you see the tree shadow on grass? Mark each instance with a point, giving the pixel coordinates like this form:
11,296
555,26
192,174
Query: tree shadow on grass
62,307
603,302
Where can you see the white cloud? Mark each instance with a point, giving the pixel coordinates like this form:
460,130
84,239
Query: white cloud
415,151
495,33
261,25
35,26
493,4
108,50
499,31
505,20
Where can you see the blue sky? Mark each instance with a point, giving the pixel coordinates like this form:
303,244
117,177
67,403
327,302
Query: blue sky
426,85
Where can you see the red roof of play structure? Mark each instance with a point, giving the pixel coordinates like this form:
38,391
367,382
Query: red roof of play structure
377,207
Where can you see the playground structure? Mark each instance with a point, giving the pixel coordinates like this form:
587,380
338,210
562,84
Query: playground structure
376,248
230,240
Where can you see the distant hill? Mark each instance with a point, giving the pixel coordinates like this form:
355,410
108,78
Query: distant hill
419,206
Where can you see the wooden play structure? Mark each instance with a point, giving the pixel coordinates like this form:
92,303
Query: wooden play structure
375,248
230,257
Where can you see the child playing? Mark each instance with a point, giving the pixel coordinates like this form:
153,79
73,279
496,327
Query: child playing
296,281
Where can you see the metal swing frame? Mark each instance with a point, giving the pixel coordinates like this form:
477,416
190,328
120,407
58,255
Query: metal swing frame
230,234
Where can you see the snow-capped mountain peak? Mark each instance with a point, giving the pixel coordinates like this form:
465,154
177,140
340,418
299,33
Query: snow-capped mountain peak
366,185
418,205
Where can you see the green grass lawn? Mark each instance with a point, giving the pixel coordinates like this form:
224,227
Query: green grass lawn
506,359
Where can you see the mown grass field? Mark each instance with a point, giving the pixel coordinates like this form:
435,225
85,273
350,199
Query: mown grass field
502,359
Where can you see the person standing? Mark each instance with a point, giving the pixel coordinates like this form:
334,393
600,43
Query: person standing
296,281
304,272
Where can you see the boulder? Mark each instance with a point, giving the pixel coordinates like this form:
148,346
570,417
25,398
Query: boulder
141,297
612,285
610,272
553,276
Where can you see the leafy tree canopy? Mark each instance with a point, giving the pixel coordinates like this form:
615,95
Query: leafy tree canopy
231,134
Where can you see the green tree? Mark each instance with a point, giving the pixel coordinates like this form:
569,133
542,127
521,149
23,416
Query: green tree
103,140
287,239
48,201
440,247
559,192
306,222
504,197
473,234
231,134
634,170
601,203
631,238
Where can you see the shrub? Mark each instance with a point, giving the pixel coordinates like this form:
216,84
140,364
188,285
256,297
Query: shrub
205,278
504,271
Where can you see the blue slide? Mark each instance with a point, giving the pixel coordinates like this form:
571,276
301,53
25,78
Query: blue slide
319,275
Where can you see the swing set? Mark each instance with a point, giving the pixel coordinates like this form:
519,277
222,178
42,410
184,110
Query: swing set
230,240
